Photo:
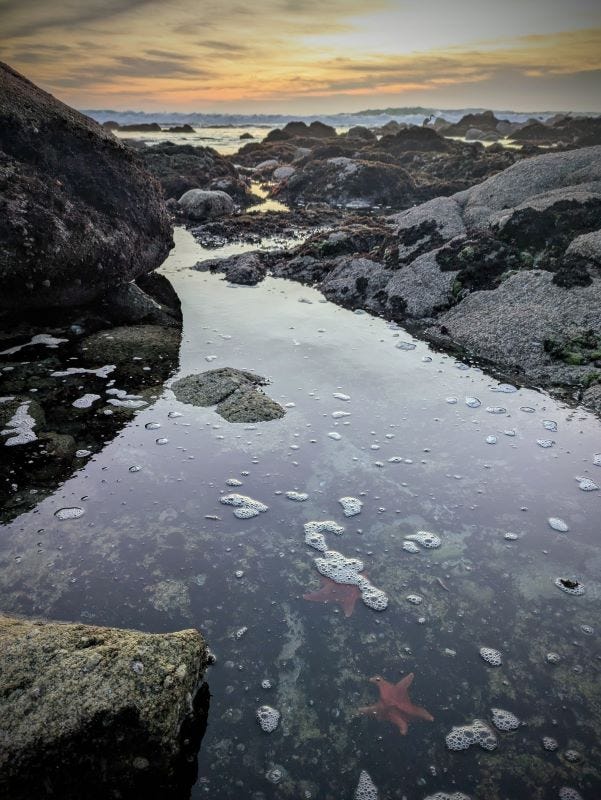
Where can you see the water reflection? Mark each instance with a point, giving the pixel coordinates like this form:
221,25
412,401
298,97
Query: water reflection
157,550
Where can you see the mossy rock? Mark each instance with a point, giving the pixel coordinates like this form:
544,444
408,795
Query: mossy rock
97,712
249,406
234,392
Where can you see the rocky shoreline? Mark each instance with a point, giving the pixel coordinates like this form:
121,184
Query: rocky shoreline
507,272
490,252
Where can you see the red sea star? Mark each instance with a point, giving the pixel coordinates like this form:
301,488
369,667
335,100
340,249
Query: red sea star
345,595
394,704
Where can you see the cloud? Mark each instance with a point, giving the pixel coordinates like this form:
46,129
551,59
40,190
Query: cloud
132,67
223,47
189,54
21,19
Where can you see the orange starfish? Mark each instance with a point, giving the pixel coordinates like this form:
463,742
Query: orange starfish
345,595
394,704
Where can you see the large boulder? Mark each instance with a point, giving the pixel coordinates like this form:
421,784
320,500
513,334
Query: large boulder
98,712
78,212
351,182
200,205
518,325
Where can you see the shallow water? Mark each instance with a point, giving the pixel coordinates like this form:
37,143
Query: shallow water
149,553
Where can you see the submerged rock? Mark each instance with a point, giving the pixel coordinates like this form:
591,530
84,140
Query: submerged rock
235,393
98,712
68,232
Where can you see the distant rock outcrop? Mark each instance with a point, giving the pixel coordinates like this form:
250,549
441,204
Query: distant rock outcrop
572,131
485,122
78,212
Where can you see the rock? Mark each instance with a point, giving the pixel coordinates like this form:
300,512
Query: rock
420,289
247,268
591,397
361,133
246,136
484,122
574,131
185,128
436,166
316,130
267,166
529,179
129,304
509,326
249,406
587,246
508,270
159,288
427,226
142,127
474,133
415,137
276,135
68,233
234,392
283,173
351,182
505,128
353,282
199,204
391,127
180,167
98,712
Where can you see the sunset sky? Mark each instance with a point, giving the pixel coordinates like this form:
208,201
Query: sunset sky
308,56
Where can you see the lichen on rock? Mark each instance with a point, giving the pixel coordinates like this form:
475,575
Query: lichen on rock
98,712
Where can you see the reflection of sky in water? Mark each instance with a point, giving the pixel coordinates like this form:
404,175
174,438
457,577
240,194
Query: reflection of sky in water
145,555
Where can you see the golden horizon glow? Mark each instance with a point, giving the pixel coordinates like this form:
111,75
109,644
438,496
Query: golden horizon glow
308,56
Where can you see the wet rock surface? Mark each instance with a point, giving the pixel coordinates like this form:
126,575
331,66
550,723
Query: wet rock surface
234,392
68,234
98,712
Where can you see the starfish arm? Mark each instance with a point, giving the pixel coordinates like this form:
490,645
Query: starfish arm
405,682
398,719
418,711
